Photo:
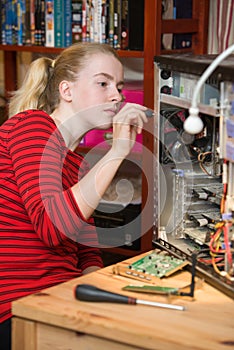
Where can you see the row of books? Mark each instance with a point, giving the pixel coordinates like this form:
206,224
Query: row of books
59,23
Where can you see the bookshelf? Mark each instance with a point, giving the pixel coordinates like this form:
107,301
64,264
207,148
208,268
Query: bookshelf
154,28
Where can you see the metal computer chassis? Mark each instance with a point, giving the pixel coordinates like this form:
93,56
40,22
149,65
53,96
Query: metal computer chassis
208,274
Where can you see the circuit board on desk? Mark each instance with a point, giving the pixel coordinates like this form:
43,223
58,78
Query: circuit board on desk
151,267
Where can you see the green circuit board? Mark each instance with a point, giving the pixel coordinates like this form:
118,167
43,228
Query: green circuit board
151,289
158,265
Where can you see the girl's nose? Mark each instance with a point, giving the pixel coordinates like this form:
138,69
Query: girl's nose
116,95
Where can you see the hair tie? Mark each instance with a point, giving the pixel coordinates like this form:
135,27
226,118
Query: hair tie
53,63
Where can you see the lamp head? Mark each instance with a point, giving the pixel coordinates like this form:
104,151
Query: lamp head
193,124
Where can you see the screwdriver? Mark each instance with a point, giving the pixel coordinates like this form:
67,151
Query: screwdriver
88,292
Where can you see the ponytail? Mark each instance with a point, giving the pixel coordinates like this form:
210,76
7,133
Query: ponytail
31,94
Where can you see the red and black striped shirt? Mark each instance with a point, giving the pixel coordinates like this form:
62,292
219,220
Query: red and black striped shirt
44,240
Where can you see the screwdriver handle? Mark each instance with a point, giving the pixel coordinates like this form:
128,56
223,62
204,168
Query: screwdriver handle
87,292
149,113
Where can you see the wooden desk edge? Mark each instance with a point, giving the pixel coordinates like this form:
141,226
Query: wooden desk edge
29,315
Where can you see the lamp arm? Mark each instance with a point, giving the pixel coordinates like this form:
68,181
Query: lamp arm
208,72
193,124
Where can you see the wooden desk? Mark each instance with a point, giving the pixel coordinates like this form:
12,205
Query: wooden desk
55,320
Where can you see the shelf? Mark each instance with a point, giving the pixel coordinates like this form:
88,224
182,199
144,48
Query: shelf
183,103
176,51
56,50
176,26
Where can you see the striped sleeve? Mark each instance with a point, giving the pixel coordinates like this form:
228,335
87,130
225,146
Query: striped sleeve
38,154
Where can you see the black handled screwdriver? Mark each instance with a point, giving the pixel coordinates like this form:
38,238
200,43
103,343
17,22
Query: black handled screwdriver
88,292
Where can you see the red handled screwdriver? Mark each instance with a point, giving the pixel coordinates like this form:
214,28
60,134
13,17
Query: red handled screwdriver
88,292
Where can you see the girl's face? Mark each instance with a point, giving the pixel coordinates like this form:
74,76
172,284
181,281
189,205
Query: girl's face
99,82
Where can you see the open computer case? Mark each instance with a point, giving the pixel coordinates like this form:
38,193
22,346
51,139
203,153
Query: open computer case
194,173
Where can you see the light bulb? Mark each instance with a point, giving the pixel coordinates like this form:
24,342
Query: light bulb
193,124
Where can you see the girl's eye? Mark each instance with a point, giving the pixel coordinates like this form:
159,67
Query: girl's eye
102,83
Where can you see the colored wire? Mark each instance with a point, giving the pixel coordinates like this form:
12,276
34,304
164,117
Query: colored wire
227,245
215,247
201,158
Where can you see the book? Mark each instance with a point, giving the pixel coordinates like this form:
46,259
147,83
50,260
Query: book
58,23
8,23
84,20
104,21
117,24
27,24
124,25
32,21
14,13
43,22
39,18
90,19
76,14
111,23
136,24
21,18
3,22
67,22
49,23
97,21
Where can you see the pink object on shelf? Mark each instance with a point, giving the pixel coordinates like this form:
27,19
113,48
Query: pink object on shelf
100,137
135,96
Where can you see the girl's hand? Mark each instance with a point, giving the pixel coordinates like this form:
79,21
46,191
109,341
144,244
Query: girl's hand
127,123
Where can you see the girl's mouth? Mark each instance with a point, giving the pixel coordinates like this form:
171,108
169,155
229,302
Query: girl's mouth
111,112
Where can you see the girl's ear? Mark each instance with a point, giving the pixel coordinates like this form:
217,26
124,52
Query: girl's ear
65,90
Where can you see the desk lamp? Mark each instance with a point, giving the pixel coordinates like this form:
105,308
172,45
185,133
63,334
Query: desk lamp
193,124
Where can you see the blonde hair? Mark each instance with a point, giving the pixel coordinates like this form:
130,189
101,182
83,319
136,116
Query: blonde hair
40,88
